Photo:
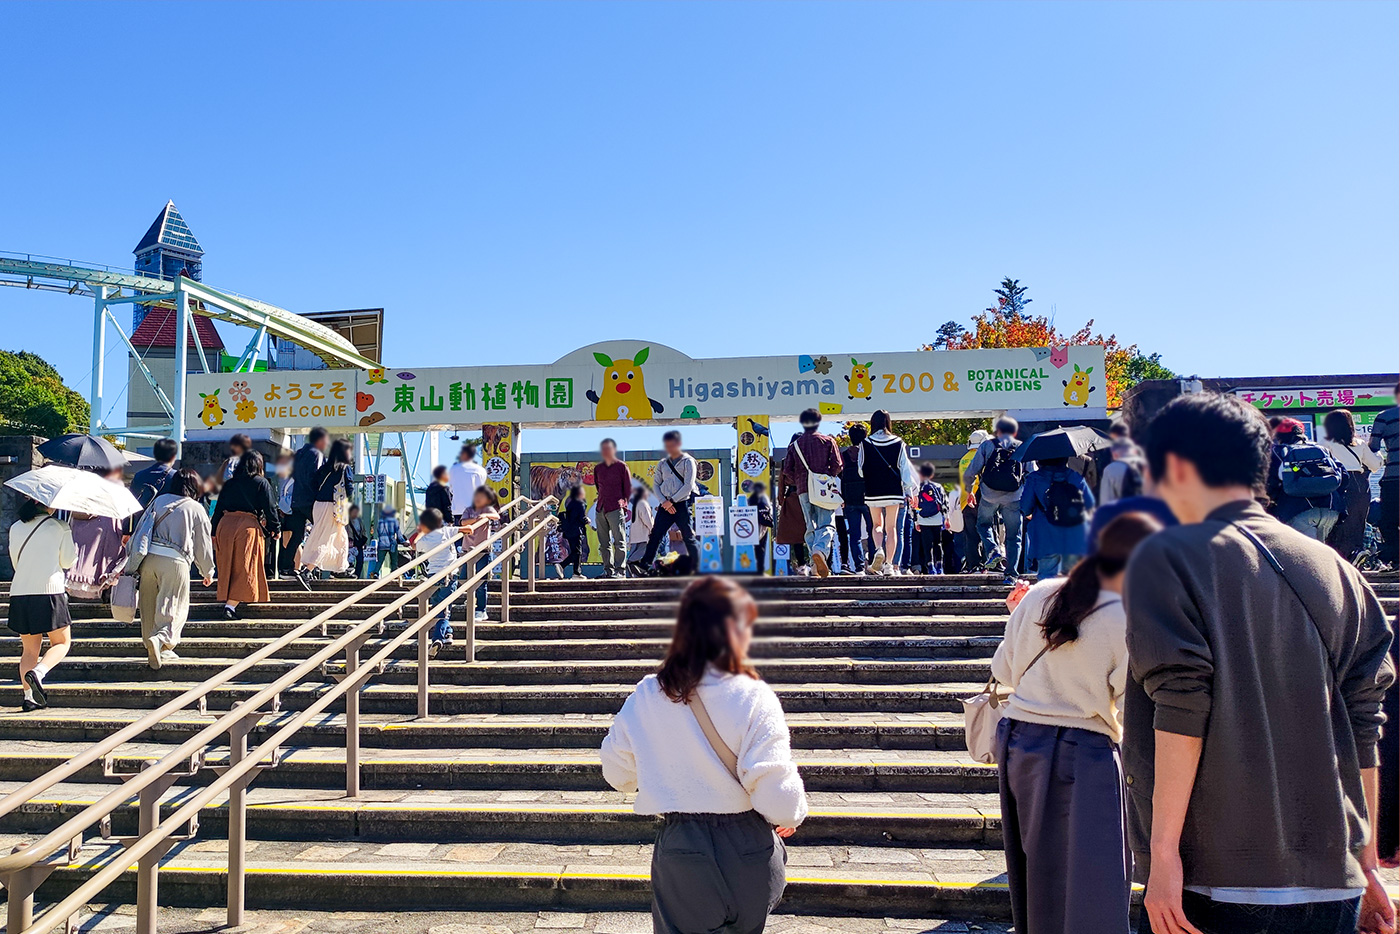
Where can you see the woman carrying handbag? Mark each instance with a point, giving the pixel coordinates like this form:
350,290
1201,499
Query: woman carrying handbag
718,863
1065,656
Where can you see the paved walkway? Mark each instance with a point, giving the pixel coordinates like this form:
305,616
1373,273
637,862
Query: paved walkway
189,921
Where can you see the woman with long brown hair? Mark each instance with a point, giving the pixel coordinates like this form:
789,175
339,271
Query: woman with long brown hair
244,518
1062,808
704,743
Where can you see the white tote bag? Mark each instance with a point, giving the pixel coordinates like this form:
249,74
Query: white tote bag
983,713
823,489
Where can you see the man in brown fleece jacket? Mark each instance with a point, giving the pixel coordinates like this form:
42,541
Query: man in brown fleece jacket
1260,663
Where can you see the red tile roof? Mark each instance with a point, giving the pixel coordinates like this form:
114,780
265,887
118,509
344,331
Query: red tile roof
158,330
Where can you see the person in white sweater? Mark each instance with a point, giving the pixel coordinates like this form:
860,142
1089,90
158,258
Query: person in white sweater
718,862
1065,655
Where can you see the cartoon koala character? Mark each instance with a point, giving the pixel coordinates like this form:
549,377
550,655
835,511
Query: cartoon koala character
213,414
858,384
624,395
1077,387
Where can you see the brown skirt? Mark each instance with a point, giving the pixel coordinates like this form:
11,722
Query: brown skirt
239,552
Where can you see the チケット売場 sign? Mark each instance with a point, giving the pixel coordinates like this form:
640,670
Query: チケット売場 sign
640,381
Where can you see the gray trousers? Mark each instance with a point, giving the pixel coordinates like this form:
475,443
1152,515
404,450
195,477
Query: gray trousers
1064,822
716,874
612,540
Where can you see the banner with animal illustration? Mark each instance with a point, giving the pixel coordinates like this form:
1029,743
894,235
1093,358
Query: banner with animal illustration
622,381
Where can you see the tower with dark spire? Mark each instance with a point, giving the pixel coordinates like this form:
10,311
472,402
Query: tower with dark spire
168,249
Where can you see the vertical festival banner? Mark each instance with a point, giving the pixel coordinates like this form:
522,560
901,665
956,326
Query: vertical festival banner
751,456
500,446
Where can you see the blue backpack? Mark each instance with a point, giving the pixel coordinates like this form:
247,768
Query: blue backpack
933,500
1308,470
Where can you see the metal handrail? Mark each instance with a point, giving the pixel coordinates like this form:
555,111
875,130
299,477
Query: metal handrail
199,692
156,837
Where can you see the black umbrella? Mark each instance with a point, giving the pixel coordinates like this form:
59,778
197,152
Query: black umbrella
1063,442
88,451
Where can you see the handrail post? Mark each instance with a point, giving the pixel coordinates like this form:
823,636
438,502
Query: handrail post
148,866
422,656
528,555
504,568
352,723
238,821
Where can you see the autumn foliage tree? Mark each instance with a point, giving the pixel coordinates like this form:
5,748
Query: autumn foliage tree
1007,324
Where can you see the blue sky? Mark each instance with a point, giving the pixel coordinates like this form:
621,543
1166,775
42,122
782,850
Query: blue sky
1216,181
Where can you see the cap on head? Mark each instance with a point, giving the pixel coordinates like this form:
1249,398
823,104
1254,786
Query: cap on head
977,437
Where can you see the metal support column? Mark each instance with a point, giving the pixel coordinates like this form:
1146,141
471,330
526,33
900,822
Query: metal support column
182,359
238,823
423,658
99,361
352,724
505,583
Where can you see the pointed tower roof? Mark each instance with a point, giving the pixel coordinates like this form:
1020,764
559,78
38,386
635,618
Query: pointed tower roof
169,230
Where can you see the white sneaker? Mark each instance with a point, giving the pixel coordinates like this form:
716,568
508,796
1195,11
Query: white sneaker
479,616
153,653
877,562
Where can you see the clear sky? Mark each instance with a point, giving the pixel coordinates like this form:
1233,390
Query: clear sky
1215,181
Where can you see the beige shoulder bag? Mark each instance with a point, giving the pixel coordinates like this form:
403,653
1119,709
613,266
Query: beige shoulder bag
707,726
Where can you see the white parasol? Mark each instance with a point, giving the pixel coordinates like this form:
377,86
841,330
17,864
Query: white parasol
80,491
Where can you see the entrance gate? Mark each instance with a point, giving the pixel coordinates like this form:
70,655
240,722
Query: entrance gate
552,474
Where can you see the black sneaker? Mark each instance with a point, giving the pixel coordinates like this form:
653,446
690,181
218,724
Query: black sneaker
231,613
433,648
36,687
303,577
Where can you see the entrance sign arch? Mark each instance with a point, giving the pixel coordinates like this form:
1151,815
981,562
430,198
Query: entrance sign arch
620,382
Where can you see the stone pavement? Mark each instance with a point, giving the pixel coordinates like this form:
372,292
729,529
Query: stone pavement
119,919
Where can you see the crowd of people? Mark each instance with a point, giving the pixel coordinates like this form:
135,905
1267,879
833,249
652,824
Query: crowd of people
1197,700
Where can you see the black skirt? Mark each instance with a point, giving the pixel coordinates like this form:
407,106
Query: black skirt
34,614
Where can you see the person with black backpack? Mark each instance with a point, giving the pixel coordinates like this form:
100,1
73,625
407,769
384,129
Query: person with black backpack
933,509
1056,502
1304,483
999,477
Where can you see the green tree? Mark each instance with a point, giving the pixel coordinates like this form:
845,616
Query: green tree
1011,298
948,332
34,400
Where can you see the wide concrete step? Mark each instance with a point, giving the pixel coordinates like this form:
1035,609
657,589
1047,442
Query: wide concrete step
504,699
835,588
912,731
796,625
197,646
529,816
416,876
870,606
756,584
840,770
451,669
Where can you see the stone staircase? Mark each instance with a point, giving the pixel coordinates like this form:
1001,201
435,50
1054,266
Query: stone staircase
497,801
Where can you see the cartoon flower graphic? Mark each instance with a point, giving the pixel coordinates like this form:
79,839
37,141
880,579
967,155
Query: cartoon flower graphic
822,365
246,411
239,391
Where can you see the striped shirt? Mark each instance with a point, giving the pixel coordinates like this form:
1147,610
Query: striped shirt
1386,431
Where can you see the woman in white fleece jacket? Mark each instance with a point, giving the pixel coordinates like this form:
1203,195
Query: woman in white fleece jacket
718,863
1062,808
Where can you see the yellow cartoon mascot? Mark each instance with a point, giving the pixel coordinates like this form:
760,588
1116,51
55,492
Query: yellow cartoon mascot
1077,387
624,395
213,414
858,384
